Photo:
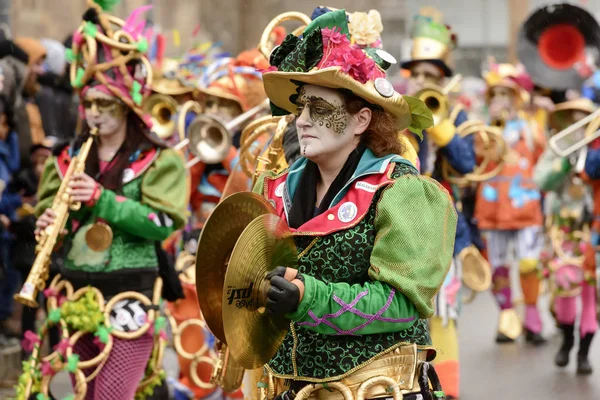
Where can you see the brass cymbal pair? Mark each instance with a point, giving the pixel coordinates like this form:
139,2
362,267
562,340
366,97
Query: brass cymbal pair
242,240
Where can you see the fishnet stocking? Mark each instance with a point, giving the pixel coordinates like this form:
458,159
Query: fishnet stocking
123,370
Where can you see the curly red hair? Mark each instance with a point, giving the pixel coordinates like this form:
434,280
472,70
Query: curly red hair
382,136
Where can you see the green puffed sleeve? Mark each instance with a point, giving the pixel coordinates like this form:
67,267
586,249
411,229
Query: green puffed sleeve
48,187
163,204
416,226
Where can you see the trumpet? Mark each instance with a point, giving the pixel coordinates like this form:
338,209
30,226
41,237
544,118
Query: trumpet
167,114
566,141
436,98
62,205
209,138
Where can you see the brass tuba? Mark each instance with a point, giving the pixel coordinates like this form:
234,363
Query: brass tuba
490,148
436,98
62,205
566,141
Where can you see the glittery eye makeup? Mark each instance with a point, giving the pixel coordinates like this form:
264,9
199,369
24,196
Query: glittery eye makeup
113,107
322,112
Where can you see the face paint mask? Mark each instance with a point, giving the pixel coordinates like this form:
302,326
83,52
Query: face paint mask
109,106
322,112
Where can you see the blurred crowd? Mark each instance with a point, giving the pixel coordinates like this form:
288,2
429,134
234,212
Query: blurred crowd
38,110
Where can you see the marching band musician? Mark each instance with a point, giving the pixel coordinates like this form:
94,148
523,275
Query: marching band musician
360,256
573,265
516,195
431,49
133,195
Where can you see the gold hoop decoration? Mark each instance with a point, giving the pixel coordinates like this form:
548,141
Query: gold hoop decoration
58,286
161,343
185,265
557,238
308,390
251,133
384,381
81,292
494,146
64,334
94,361
190,105
177,339
264,46
80,385
150,315
194,371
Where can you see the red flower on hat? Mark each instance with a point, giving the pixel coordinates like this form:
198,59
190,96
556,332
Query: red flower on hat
339,53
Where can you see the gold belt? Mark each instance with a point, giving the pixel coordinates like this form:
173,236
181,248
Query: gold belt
392,374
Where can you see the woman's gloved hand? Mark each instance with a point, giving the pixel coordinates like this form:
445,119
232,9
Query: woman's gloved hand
286,291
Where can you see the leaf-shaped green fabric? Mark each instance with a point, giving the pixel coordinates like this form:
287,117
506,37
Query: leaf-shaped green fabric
69,397
421,116
72,362
90,29
305,55
286,47
106,5
159,324
142,45
334,19
41,396
69,55
103,333
54,315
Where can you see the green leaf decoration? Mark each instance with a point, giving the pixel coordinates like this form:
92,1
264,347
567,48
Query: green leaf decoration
90,29
70,397
69,55
103,333
334,19
54,315
78,81
159,324
136,94
41,396
72,362
142,45
106,5
421,116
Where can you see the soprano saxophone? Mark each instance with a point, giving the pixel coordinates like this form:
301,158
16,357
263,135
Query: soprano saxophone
62,205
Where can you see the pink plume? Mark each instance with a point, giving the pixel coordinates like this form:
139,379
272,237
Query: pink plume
160,48
132,26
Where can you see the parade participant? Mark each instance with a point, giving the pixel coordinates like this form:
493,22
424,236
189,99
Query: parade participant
572,265
516,195
133,195
431,49
366,279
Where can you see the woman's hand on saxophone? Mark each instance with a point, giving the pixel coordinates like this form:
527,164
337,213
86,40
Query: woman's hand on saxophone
45,220
84,188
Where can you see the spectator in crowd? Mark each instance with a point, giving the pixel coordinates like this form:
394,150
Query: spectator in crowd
37,57
9,203
55,99
14,70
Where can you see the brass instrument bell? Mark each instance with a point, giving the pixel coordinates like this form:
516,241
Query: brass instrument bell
162,110
209,138
436,98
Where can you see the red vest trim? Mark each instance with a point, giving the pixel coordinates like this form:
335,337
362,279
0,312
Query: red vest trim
134,169
347,213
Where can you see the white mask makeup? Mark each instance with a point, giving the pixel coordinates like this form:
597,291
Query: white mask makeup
104,111
325,128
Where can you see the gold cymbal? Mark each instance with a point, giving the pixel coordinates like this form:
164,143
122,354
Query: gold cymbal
253,336
218,237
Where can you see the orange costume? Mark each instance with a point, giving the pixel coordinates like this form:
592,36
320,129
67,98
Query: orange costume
508,208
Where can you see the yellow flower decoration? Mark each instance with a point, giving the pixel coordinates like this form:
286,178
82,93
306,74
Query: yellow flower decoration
364,28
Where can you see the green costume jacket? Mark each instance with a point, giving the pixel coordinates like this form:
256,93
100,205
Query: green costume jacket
150,207
372,263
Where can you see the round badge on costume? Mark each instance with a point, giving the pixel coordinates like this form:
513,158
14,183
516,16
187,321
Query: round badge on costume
347,212
128,174
279,190
384,87
523,163
385,56
127,316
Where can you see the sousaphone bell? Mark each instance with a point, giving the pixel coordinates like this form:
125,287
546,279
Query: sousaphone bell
559,46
